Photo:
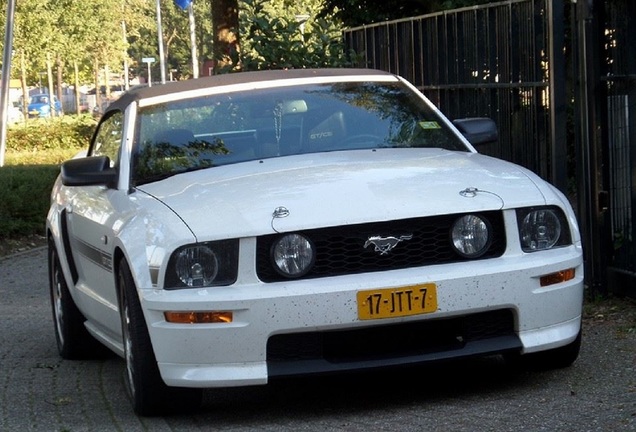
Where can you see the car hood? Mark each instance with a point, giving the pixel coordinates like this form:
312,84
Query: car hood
330,189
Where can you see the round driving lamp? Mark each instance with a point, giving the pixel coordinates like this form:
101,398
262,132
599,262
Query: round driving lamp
470,236
293,255
197,266
540,229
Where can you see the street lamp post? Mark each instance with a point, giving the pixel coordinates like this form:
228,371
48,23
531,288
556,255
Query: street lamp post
6,75
193,43
162,60
187,4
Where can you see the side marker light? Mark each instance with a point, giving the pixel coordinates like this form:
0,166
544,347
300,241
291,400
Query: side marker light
558,277
198,317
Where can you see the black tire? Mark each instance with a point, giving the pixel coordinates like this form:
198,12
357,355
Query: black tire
556,358
74,342
149,395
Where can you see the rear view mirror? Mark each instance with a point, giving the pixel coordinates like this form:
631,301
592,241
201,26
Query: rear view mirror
294,107
479,130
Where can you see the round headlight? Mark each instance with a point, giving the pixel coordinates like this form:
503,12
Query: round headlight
540,229
471,236
293,255
197,266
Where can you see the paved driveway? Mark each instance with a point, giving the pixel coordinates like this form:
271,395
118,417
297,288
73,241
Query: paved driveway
41,392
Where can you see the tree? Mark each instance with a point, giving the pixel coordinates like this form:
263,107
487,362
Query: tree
279,34
225,34
76,36
353,13
176,39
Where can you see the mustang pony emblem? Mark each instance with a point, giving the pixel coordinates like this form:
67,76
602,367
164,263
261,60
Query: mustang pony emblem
384,245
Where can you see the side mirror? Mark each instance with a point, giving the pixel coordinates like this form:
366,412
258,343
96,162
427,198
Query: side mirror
88,171
478,130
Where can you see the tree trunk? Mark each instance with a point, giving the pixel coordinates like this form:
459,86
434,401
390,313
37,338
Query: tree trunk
23,82
59,79
107,82
98,93
49,75
78,108
225,25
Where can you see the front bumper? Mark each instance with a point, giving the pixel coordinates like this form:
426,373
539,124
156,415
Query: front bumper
236,353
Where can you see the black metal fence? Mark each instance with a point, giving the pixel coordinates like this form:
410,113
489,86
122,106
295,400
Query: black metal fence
619,78
535,67
491,61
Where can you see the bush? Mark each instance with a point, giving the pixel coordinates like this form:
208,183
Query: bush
61,133
273,41
34,153
24,198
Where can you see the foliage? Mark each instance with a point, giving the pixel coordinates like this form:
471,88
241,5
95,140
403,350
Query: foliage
90,33
33,26
73,31
67,132
280,34
24,198
225,33
176,36
34,152
354,13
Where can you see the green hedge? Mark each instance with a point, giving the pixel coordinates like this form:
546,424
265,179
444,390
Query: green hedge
51,134
34,153
24,198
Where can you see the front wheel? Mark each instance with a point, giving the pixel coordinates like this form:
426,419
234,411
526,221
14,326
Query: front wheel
73,340
149,394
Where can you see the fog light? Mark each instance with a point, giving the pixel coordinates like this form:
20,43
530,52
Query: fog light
558,277
293,255
470,236
198,317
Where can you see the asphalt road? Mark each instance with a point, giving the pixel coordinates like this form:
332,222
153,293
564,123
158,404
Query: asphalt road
41,392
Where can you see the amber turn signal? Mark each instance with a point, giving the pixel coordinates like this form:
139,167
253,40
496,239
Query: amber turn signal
198,317
558,277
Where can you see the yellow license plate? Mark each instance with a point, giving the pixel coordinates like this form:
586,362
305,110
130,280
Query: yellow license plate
397,302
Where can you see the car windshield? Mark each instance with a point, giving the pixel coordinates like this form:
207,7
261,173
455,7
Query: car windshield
191,134
39,99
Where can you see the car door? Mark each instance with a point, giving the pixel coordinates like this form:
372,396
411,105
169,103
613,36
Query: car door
92,217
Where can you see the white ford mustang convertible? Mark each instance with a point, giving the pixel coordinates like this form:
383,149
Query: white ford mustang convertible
227,230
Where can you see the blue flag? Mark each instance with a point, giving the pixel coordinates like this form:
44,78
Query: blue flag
183,4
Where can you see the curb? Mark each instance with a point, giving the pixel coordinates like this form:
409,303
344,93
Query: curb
22,253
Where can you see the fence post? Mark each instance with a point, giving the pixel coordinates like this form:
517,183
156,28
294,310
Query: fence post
558,99
590,100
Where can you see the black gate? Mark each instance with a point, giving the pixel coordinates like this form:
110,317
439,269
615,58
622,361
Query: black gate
617,35
558,79
490,61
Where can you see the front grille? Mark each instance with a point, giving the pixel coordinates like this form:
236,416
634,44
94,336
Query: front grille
340,250
390,341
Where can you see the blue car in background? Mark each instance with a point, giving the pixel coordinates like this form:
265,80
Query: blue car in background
40,106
